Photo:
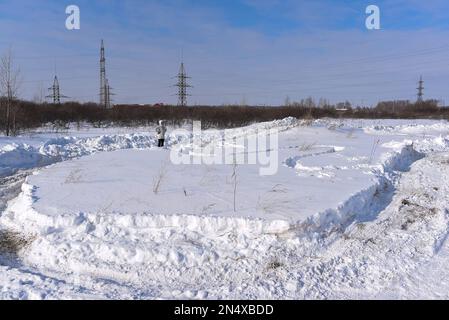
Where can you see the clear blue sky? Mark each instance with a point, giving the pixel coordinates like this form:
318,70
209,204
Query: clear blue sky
259,51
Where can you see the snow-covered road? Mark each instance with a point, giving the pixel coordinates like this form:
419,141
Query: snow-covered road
358,209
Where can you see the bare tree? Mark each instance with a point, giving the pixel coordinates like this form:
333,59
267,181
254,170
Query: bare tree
323,103
39,96
9,86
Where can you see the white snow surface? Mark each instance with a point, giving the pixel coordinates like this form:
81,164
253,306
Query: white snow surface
357,209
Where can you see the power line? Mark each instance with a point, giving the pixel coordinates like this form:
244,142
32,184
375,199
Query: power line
363,72
105,89
53,57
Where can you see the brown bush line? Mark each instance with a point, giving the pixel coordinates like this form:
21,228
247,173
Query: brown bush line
29,115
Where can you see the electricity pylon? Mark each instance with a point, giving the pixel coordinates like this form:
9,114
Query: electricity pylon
55,95
108,94
182,86
420,90
105,92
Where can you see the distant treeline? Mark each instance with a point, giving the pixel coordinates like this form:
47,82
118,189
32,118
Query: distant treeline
28,115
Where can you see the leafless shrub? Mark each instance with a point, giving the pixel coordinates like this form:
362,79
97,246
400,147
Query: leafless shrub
234,180
278,188
12,242
350,134
273,206
60,126
307,146
159,178
272,202
73,177
207,208
308,118
335,125
107,207
273,265
373,150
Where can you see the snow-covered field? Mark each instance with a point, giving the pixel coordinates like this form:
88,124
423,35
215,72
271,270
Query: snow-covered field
357,209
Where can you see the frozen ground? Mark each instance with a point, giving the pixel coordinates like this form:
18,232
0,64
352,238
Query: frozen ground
357,209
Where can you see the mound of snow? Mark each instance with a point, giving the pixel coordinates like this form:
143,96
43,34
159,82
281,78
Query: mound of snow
21,156
410,129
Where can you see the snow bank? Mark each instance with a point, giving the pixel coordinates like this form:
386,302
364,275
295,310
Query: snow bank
409,129
15,156
22,156
363,203
143,248
403,154
66,148
22,215
370,201
18,156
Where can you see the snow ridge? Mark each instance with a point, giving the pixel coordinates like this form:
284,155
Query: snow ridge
366,204
15,157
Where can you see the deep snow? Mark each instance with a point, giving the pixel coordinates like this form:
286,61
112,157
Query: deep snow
357,209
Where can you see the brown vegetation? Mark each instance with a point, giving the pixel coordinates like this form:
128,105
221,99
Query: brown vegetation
30,115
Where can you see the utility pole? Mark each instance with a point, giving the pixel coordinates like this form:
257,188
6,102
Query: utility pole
105,92
182,86
55,94
420,90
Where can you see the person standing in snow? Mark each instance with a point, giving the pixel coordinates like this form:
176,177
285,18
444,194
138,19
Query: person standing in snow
161,130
